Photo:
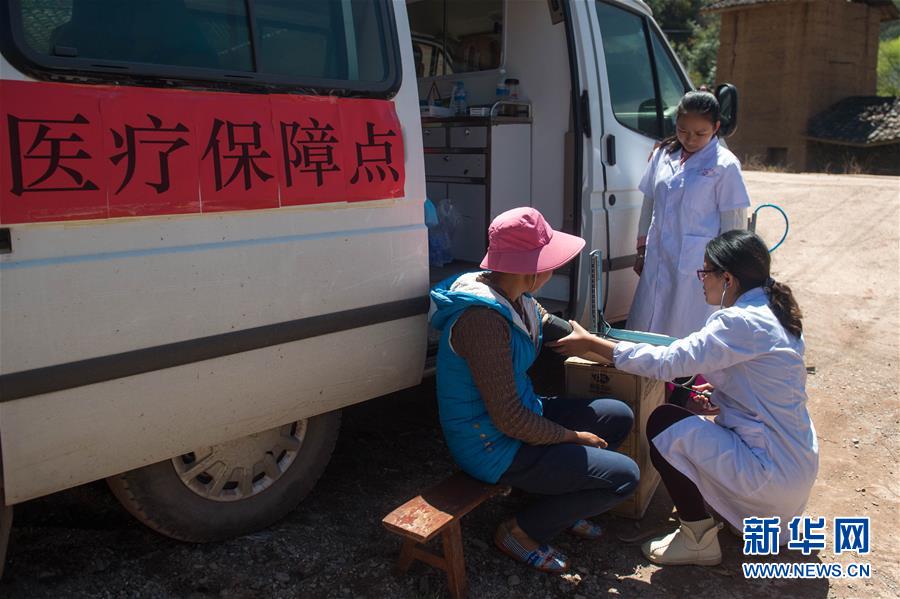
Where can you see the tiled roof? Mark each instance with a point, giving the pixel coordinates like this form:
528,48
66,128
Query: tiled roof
889,7
860,121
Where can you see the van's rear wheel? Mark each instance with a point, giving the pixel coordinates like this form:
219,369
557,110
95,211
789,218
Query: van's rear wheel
234,488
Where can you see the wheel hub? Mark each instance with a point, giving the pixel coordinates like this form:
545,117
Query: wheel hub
244,467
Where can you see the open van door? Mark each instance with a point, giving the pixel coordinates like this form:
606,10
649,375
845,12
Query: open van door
640,83
589,219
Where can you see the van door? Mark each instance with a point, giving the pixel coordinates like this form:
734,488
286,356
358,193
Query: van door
589,219
640,83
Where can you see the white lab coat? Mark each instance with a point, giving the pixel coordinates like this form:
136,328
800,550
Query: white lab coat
688,201
760,456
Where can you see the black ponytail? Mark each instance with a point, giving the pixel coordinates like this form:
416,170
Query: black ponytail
785,308
702,103
746,257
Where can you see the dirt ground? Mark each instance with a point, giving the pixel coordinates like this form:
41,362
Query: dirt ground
842,260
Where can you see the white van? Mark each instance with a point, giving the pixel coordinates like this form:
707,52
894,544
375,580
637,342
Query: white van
212,240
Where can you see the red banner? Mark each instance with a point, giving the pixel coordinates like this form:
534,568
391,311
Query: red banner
88,152
151,153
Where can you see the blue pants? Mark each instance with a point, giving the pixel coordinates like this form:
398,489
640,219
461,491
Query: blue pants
576,481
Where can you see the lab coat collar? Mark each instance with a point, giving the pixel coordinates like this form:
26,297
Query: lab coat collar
706,154
709,148
753,297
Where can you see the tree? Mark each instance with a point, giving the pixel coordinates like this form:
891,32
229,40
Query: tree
694,36
675,17
701,51
889,67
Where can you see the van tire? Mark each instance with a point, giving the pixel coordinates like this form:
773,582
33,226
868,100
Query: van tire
158,497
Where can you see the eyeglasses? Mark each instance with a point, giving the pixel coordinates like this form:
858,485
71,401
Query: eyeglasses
701,274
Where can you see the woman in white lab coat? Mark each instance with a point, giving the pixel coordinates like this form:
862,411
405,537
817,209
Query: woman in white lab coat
759,458
693,190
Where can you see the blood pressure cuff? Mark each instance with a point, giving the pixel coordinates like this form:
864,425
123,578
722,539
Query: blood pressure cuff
555,328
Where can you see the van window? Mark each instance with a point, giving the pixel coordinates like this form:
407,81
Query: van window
456,36
671,85
343,44
642,77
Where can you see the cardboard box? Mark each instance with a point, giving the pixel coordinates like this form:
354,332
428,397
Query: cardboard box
586,379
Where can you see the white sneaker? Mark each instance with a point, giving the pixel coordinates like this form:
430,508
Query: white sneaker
684,548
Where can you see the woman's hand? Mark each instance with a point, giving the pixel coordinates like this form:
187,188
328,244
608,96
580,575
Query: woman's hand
585,438
705,387
576,343
585,345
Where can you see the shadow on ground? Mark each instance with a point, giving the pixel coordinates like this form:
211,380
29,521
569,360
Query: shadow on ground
81,543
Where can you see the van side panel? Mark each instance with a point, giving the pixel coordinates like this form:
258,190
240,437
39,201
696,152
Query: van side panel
83,290
58,440
171,279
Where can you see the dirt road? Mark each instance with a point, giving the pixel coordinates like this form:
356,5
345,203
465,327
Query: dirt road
842,260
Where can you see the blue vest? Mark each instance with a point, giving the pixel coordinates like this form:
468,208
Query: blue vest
478,447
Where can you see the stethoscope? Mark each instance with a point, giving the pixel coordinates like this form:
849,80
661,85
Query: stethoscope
787,223
601,327
753,217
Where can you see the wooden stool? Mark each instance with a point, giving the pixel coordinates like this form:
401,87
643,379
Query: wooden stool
439,510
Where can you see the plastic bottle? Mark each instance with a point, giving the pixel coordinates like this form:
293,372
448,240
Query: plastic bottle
459,104
501,92
513,86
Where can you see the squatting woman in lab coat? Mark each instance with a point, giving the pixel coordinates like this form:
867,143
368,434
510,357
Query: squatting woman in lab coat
760,456
693,190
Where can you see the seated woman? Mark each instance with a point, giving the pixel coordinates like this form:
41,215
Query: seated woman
760,456
496,427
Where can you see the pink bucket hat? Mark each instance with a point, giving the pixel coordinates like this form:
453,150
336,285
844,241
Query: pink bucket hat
521,242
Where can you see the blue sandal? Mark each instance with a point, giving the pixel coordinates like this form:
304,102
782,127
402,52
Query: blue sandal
545,558
586,530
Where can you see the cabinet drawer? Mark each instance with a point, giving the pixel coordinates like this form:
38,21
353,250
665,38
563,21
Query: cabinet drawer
468,137
455,165
434,137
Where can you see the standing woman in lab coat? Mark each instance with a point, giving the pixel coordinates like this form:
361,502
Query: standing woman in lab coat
759,458
693,190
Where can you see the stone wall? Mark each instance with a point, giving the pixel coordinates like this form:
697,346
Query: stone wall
790,61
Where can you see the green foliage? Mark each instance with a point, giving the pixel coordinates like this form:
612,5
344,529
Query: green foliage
890,30
675,17
700,52
889,67
694,37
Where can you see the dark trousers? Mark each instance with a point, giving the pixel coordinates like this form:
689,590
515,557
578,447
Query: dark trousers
684,493
680,396
575,481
